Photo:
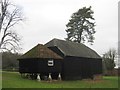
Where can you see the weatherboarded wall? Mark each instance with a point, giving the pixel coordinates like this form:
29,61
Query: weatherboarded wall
77,67
39,66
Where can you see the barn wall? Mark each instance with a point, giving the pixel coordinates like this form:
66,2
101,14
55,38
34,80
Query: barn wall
38,66
71,68
96,66
76,68
91,67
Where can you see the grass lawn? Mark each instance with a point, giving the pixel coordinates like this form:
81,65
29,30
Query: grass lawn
14,80
0,79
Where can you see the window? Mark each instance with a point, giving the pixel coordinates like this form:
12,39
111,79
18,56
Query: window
50,63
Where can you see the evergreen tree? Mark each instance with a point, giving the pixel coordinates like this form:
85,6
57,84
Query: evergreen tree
81,26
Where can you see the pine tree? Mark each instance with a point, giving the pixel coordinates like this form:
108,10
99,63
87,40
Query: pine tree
81,26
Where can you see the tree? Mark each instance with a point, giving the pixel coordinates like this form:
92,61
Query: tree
10,15
9,60
81,26
109,59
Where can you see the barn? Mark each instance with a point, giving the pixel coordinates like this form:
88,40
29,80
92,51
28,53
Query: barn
40,60
69,60
79,61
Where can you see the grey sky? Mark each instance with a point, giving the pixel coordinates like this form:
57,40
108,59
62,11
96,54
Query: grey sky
47,19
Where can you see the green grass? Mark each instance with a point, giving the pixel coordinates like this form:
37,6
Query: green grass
14,80
0,79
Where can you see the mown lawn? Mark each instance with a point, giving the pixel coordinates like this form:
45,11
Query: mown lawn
0,79
13,80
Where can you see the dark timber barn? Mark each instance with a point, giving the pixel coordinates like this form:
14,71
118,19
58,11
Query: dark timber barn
79,60
71,60
40,60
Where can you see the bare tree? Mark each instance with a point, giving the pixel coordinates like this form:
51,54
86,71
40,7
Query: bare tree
109,59
10,15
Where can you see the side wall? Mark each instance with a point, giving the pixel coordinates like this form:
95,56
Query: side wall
38,66
90,67
75,68
71,68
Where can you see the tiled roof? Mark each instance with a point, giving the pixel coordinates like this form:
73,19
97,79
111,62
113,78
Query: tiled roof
69,48
40,51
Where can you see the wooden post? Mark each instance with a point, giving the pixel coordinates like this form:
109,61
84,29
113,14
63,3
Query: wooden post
49,77
38,77
59,76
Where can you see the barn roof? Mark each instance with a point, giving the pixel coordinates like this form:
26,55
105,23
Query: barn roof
69,48
40,51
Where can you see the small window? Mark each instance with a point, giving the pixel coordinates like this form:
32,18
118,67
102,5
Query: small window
50,63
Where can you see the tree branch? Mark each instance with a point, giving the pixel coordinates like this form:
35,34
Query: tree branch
9,17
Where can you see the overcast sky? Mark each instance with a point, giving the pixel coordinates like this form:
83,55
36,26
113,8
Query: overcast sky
47,19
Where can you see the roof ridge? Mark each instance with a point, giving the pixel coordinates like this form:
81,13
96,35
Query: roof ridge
73,42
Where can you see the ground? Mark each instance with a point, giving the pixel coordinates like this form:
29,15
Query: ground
14,80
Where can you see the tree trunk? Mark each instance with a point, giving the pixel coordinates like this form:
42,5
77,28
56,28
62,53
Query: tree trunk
79,37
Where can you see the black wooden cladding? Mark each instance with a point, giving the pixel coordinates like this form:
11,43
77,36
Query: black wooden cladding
77,68
39,66
71,68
